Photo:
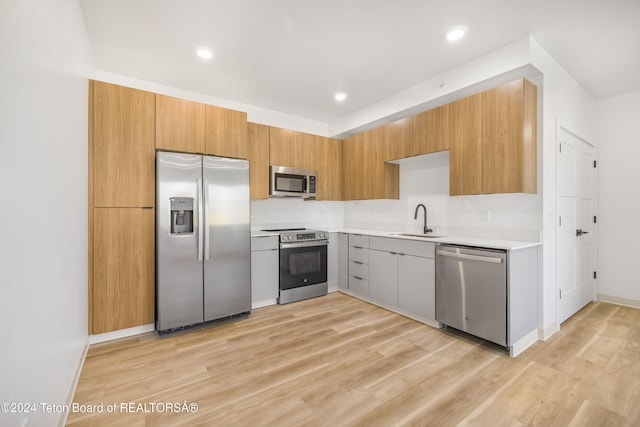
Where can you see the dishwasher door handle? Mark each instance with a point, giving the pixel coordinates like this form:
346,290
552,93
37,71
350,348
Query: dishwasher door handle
480,258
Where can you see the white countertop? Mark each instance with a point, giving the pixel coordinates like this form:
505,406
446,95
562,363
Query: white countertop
509,245
260,233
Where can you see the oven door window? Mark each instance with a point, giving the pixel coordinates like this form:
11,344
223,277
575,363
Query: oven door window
303,266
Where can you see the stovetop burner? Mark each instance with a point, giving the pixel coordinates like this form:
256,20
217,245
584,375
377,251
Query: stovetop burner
283,229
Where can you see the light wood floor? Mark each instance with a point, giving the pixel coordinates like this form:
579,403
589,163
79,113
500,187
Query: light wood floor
337,361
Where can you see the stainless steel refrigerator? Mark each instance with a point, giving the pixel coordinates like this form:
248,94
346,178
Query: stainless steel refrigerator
203,239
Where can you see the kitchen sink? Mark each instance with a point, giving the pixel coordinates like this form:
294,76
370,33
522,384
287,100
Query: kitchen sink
424,236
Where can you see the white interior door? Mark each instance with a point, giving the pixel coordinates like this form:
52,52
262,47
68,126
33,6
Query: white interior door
576,224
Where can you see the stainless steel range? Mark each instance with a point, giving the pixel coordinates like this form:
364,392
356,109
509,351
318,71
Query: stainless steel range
303,264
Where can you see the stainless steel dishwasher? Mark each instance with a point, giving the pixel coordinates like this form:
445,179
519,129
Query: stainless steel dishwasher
471,291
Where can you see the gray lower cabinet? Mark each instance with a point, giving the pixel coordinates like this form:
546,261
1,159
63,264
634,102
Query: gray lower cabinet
359,264
333,262
343,261
396,273
416,286
264,271
383,277
402,276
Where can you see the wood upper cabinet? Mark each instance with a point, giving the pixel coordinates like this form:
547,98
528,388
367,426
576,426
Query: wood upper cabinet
180,125
121,146
123,268
431,131
509,138
366,175
493,141
400,139
292,148
258,140
352,167
465,154
226,132
375,150
329,164
192,127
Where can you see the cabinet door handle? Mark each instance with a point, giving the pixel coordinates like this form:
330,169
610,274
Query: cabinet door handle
356,277
356,262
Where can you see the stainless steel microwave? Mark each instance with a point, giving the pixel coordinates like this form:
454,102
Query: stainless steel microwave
292,182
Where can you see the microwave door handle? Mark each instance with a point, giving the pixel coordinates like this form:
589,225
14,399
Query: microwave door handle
305,184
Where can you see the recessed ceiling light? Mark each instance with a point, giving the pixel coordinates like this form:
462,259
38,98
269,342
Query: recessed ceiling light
340,96
204,53
456,33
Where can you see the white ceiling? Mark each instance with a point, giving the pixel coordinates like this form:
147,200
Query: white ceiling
291,56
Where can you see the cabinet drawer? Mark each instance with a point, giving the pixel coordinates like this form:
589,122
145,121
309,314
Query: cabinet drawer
403,246
359,240
359,286
264,243
359,254
359,269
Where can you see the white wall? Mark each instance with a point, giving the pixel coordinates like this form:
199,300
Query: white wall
619,198
425,179
564,102
291,212
46,60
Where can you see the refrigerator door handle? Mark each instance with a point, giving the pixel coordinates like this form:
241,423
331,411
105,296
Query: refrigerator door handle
205,221
200,220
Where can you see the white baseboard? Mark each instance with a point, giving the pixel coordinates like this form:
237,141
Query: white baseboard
74,384
122,333
523,343
628,302
263,303
548,331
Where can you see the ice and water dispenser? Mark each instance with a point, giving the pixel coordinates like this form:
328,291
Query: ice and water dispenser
181,215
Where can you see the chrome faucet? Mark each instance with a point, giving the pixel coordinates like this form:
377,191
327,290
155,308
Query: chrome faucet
415,216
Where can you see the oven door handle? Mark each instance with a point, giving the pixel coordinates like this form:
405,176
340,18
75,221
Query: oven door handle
304,244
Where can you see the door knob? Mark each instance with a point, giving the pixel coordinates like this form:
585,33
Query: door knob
580,232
